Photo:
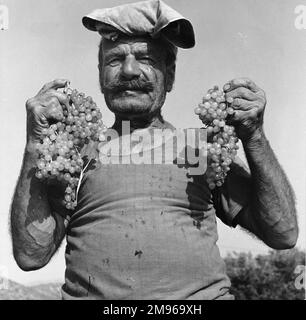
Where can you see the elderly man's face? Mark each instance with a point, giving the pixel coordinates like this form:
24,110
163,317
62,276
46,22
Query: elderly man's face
134,76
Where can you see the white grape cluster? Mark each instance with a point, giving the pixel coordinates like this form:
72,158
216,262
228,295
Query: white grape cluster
223,142
60,144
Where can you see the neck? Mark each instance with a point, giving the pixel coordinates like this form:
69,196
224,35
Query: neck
155,121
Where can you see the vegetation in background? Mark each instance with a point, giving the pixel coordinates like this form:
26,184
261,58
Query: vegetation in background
266,277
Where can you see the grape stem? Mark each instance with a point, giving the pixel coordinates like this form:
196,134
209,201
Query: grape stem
80,179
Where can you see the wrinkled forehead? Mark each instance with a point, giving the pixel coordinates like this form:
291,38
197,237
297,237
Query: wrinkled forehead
133,44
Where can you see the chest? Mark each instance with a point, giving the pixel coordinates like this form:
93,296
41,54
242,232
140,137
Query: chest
167,184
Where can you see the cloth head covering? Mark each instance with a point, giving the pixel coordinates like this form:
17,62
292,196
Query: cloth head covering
151,17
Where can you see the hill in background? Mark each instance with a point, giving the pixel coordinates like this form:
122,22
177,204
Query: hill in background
17,291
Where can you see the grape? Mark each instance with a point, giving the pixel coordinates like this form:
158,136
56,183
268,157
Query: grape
230,110
224,143
60,144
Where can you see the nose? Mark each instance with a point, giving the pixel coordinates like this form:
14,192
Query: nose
130,68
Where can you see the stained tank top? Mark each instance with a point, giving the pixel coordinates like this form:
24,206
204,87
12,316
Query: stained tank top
147,231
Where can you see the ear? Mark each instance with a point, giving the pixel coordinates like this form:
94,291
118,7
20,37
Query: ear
101,80
170,76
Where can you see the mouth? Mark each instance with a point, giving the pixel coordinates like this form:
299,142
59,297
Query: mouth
134,90
130,91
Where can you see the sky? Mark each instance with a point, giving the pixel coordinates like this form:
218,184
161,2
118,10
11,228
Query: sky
234,38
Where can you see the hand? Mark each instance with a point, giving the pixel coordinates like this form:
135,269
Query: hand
44,108
248,102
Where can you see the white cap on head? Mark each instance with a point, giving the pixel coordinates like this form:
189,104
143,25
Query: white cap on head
151,17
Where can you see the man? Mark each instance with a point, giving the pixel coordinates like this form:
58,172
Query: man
148,231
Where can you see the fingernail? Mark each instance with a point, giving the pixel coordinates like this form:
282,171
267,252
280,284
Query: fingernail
226,87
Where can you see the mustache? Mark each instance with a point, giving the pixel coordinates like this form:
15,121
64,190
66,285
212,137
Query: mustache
118,85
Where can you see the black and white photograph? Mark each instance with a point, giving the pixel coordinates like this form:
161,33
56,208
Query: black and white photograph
152,150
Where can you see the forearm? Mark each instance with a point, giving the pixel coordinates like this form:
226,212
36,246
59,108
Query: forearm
271,214
36,231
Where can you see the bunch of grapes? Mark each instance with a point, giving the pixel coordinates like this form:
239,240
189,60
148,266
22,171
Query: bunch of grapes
223,142
59,147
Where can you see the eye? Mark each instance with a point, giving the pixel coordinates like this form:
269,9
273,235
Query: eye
113,62
146,59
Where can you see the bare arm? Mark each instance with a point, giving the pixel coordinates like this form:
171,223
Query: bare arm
271,214
37,231
37,224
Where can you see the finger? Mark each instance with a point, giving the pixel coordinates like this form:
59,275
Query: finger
240,82
240,115
241,104
61,97
234,118
241,92
55,84
53,109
